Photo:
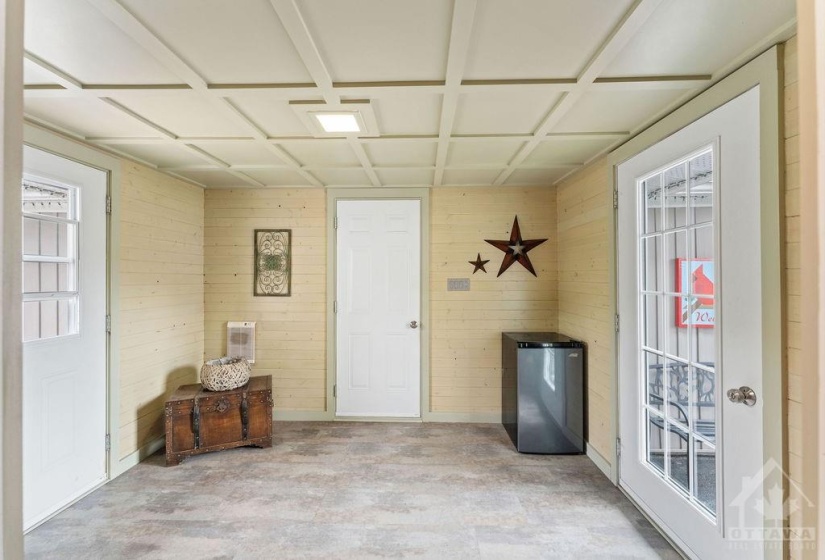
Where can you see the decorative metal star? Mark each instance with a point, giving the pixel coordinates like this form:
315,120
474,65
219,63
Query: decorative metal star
515,249
479,264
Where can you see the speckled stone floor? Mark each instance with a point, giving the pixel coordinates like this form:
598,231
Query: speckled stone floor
359,491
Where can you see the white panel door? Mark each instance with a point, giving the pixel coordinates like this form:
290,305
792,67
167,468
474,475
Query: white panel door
64,328
378,336
691,328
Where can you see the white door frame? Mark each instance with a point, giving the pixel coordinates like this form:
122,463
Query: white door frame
333,196
764,72
45,140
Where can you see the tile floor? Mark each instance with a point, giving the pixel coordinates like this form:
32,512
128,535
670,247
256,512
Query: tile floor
360,491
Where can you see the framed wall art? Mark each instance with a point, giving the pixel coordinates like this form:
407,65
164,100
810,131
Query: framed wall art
697,278
273,262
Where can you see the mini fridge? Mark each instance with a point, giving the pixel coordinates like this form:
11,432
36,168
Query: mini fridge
542,392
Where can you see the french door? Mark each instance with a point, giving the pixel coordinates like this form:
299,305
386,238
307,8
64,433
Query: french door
64,332
378,308
690,268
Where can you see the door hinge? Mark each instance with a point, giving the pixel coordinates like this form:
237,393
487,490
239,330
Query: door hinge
615,199
335,306
618,447
617,322
108,442
335,390
108,204
108,323
335,222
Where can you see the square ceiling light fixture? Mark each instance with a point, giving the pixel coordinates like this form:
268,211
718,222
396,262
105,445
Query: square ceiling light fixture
339,122
348,118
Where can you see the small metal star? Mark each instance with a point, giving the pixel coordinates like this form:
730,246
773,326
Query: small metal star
479,264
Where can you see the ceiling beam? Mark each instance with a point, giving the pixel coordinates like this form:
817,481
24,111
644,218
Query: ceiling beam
295,25
140,33
461,31
627,28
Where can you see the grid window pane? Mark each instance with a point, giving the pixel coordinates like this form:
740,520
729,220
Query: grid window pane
652,259
652,305
654,219
655,441
676,253
679,456
704,474
655,381
675,199
701,188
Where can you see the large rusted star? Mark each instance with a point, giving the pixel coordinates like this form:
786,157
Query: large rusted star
515,250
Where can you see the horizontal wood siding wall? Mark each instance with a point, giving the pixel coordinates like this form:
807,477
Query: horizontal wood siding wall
161,297
584,206
467,326
792,290
291,331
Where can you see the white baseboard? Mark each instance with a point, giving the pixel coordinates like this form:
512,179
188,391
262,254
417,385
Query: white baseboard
603,464
468,417
134,458
302,416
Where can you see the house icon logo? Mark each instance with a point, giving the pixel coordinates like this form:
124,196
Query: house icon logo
758,512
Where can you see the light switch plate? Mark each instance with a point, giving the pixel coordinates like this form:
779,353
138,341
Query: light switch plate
458,284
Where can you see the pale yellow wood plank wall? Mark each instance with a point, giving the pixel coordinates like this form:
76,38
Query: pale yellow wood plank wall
161,297
792,289
584,205
291,331
466,326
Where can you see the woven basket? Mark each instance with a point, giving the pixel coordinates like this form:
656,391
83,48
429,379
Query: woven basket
225,373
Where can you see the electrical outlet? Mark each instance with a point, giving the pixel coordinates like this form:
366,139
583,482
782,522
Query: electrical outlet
458,284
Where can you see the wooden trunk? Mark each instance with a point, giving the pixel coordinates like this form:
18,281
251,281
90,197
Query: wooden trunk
199,421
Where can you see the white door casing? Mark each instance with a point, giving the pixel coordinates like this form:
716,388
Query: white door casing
378,300
733,132
64,377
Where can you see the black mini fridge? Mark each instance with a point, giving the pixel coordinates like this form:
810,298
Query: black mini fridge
542,392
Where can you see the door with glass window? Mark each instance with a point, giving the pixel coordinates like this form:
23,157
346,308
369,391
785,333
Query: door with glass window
691,332
64,332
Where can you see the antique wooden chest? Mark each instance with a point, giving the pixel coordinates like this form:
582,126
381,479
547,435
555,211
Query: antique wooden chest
199,421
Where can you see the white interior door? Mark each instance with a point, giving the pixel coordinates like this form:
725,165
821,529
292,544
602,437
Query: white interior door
691,328
378,336
64,332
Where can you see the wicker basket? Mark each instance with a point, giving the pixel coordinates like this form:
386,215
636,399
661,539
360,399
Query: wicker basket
225,373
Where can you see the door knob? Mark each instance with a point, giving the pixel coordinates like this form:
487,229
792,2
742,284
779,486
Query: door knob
744,395
414,324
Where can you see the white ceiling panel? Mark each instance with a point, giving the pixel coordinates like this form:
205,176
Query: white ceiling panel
380,40
401,153
74,37
616,111
393,177
162,155
699,36
470,176
408,113
240,153
502,112
214,178
564,37
535,176
354,176
486,152
278,177
32,74
274,116
185,116
385,49
554,151
322,152
224,34
87,117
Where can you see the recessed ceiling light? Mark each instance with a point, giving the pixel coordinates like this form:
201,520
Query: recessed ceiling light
338,122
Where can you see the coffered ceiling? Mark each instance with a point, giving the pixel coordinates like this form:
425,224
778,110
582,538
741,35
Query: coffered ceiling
464,92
